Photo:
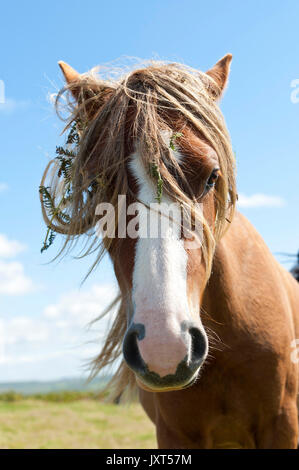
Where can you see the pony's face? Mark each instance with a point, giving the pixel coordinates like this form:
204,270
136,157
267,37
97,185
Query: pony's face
162,273
165,343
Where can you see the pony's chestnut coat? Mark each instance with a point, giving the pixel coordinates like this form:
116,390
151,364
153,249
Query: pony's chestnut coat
230,288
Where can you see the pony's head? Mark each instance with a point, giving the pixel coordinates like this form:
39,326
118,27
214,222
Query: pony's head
157,137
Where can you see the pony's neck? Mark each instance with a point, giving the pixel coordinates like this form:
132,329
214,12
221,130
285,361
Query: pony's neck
239,257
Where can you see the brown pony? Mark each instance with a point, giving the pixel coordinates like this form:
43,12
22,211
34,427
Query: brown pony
207,318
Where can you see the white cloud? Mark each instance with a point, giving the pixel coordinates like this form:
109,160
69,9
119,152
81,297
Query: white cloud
10,248
11,105
59,331
2,352
19,329
260,200
80,307
3,187
13,280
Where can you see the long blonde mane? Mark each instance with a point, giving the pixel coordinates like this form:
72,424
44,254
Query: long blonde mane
113,117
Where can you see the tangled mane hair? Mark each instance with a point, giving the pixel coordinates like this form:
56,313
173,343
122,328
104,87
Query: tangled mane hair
114,118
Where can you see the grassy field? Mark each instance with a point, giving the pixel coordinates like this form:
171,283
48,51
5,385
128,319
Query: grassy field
32,423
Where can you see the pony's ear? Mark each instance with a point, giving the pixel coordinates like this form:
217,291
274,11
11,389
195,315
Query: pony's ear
219,74
89,93
71,76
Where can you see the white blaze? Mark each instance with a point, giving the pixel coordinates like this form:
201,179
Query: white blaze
160,269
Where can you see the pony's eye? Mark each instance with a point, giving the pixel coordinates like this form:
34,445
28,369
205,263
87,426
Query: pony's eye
213,178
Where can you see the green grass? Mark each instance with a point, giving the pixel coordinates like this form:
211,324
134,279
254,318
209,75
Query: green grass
84,422
63,396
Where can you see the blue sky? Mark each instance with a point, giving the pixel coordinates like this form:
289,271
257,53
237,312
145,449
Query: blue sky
43,310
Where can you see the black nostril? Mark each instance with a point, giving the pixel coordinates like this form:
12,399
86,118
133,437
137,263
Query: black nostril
130,347
198,344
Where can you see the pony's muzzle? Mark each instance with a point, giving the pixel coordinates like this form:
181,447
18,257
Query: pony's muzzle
192,345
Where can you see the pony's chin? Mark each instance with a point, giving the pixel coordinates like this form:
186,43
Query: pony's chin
177,388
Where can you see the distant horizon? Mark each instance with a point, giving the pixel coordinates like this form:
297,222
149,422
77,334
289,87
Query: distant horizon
66,384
